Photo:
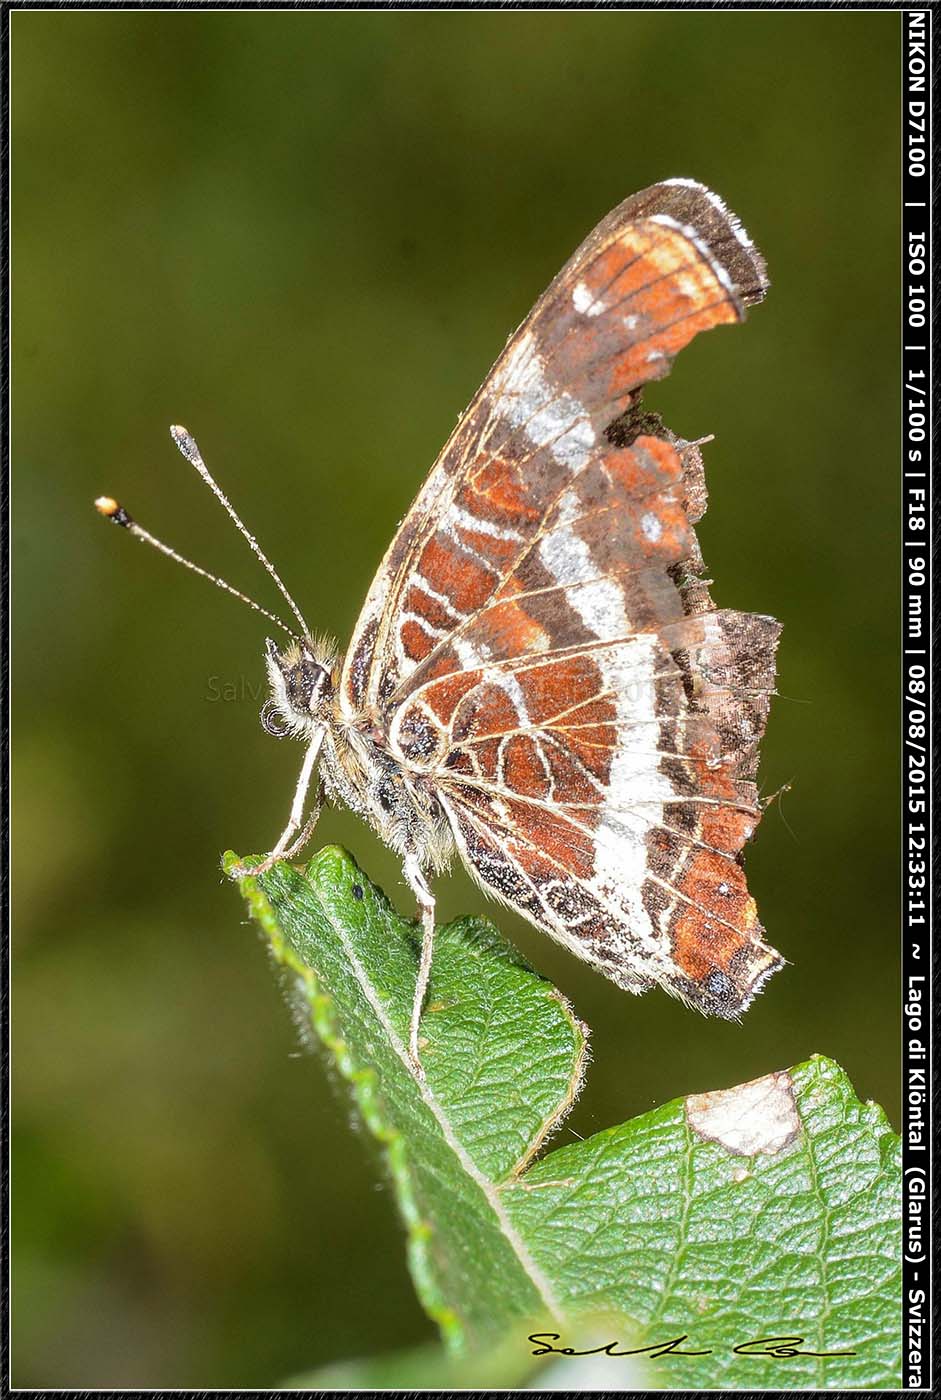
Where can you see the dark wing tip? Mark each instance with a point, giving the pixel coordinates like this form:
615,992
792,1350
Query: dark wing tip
699,208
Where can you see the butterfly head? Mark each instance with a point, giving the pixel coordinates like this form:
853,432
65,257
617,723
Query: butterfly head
302,686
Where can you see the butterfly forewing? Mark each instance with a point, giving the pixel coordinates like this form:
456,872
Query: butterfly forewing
539,646
636,291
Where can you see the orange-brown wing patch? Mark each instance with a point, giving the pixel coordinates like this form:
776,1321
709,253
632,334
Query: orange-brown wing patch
599,753
664,265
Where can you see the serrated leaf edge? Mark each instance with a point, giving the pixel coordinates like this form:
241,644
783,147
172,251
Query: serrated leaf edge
364,1081
563,1107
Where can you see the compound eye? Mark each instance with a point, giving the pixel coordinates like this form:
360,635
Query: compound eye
273,721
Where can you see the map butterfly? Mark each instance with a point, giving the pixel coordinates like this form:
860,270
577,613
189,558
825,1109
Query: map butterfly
539,680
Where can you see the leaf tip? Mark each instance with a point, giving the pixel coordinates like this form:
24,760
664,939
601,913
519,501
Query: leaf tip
334,863
232,865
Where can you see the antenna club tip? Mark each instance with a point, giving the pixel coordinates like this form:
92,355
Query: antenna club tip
112,510
187,445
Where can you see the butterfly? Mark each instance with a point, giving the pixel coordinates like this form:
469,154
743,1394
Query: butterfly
539,681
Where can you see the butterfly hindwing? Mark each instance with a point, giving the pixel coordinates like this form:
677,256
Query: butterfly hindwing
584,788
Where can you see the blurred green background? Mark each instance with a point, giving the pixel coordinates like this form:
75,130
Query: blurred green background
306,236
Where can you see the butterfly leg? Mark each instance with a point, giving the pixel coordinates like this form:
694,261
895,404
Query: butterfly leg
286,846
426,904
307,831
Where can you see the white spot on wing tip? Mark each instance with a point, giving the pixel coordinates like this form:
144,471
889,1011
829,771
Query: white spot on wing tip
651,527
583,299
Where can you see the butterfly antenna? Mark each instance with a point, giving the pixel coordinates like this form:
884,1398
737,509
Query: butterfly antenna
188,446
111,510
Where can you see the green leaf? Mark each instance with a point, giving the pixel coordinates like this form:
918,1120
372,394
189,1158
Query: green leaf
767,1211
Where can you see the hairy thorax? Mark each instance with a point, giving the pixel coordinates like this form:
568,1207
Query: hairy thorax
398,804
355,762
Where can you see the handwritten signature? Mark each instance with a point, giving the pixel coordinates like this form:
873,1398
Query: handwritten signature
778,1347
